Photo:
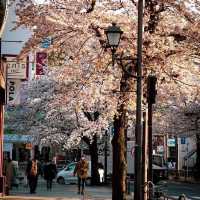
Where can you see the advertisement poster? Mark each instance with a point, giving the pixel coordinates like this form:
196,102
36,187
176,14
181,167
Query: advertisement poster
41,63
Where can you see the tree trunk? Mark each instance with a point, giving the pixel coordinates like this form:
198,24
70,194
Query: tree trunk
93,116
119,139
94,162
119,160
94,159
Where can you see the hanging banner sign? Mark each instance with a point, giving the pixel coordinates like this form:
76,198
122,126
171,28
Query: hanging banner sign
13,91
41,63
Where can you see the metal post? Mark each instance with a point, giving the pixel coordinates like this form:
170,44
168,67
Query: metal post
138,128
177,157
150,174
144,156
105,157
187,159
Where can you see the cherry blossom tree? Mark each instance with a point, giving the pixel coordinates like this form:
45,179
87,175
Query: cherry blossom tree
91,83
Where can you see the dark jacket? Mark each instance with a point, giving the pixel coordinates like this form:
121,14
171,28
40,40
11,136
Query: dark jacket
50,171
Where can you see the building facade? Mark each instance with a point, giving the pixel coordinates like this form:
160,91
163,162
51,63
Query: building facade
3,15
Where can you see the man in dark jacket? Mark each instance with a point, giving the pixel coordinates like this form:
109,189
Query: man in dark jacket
32,171
50,172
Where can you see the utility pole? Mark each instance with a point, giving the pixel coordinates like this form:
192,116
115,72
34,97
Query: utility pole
138,128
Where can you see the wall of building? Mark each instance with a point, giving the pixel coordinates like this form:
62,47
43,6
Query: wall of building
21,34
185,149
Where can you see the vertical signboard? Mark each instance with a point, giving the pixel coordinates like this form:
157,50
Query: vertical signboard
13,91
41,63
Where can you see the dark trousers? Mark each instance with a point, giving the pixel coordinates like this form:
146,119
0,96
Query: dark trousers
81,184
49,184
32,181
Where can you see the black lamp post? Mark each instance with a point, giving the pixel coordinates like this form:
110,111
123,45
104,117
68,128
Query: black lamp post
113,34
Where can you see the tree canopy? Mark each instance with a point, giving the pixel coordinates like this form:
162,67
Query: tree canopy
81,76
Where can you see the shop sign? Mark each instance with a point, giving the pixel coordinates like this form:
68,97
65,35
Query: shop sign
16,69
10,138
171,142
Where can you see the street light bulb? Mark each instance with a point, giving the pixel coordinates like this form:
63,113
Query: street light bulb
113,34
113,39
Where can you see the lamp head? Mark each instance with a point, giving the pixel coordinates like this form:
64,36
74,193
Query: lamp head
113,34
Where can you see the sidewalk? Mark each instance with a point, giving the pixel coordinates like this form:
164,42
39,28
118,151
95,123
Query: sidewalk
85,197
54,198
60,192
63,192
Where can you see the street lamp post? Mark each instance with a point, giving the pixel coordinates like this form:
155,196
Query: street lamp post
114,35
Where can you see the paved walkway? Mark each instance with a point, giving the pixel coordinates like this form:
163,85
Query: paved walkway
60,192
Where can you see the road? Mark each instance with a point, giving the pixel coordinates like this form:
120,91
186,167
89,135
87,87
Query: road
192,191
175,189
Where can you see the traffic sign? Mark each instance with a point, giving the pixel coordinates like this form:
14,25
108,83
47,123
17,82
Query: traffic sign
183,140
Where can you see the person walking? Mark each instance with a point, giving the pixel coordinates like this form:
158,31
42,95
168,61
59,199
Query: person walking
81,170
9,173
32,171
49,172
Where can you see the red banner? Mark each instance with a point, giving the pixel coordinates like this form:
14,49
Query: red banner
41,63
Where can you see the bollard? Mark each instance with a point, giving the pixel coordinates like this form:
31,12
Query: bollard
182,197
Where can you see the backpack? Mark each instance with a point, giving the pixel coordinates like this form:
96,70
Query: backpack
33,171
